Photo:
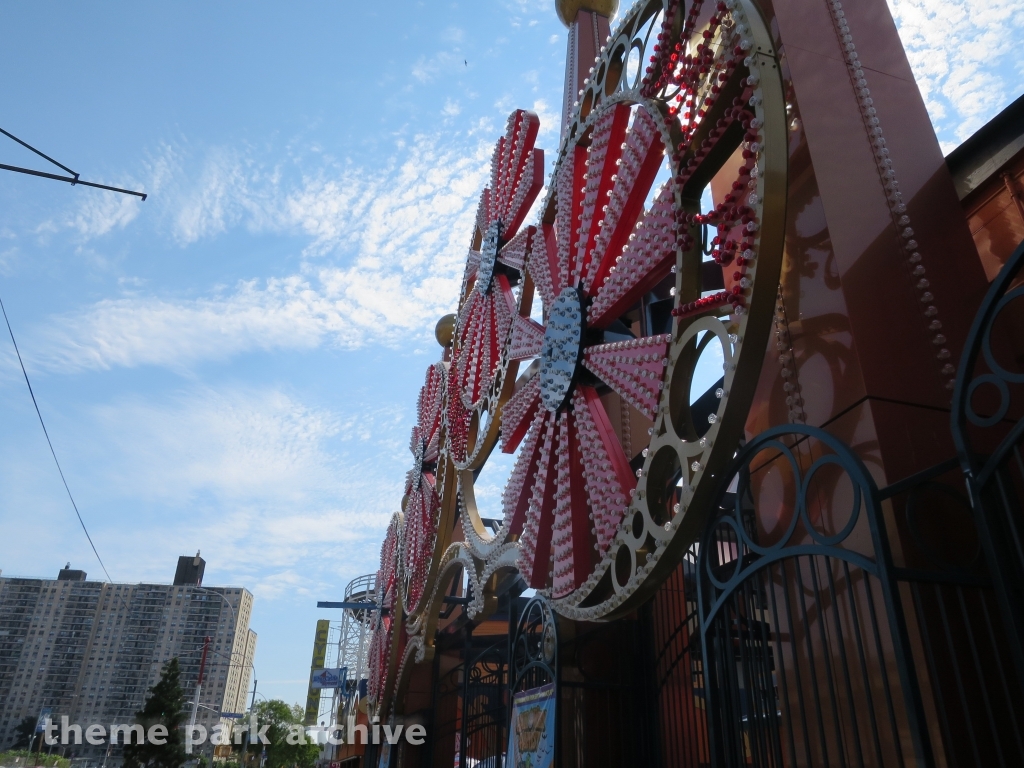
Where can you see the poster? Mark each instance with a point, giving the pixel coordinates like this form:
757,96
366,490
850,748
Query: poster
531,737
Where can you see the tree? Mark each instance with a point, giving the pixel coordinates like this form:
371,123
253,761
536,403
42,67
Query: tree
23,733
165,706
283,720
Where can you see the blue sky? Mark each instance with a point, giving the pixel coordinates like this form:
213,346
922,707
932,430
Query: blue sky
231,365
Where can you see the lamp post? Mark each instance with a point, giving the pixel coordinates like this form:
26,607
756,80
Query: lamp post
195,702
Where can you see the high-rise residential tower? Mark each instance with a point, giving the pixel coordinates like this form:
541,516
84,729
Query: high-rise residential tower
91,650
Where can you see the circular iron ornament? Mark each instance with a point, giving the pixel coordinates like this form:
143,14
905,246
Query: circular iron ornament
855,504
741,549
616,470
534,657
999,377
492,293
986,345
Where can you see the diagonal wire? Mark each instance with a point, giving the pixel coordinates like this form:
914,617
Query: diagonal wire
33,149
52,452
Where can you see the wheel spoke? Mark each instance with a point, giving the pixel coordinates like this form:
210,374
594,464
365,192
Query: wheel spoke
641,159
428,414
483,213
569,197
515,499
472,264
457,416
527,339
518,414
542,264
472,320
572,540
635,369
535,542
609,479
647,258
531,182
603,158
517,171
420,529
504,311
513,253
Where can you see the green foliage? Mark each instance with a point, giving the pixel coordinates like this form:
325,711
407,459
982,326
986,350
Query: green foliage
23,732
282,719
165,706
28,758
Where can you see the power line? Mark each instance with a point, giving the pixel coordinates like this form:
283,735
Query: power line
33,149
73,179
52,452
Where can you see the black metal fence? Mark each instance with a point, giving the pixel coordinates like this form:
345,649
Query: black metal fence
806,651
470,709
988,428
794,634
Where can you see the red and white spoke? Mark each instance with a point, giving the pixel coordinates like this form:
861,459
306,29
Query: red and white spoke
386,591
422,501
494,267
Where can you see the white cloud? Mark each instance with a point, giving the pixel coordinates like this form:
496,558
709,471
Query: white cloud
965,57
246,471
427,68
549,124
232,444
99,212
386,252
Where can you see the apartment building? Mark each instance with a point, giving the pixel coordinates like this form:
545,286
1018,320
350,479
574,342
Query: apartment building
91,650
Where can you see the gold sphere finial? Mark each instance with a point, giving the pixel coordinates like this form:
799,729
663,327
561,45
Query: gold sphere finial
567,9
444,331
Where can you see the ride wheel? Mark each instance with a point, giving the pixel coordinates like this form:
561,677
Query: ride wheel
613,447
488,301
422,504
383,649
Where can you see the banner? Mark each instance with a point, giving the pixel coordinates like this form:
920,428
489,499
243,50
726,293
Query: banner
531,737
329,678
323,627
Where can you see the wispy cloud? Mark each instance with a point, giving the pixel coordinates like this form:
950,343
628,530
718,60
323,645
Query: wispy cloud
299,484
102,212
427,68
965,56
385,250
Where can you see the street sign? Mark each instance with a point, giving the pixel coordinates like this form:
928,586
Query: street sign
329,678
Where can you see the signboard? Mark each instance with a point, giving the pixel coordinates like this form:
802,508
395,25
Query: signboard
531,737
323,627
329,678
